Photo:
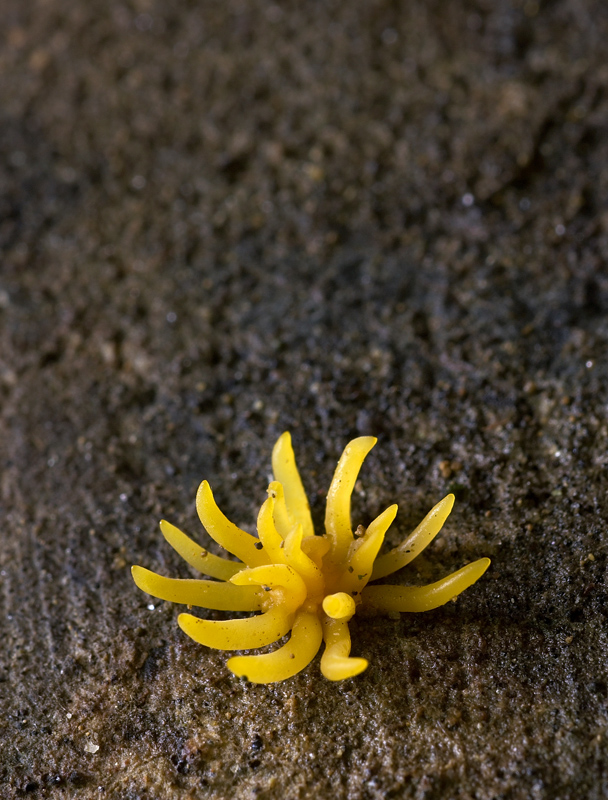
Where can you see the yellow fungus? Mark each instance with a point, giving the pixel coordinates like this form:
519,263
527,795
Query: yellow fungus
339,606
238,634
307,584
336,663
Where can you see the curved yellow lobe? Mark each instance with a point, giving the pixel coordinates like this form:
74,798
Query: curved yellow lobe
337,511
285,471
226,533
336,665
424,598
303,564
416,541
268,533
360,563
196,592
237,634
287,661
284,523
197,556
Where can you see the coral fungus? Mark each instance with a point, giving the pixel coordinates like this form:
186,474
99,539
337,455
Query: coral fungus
308,584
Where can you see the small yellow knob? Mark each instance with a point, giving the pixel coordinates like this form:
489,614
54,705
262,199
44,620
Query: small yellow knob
339,606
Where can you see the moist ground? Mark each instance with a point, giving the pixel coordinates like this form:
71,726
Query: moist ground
220,221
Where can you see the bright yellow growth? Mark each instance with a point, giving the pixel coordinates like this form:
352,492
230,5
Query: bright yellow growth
307,584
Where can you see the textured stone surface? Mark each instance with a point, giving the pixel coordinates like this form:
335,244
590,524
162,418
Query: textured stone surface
222,220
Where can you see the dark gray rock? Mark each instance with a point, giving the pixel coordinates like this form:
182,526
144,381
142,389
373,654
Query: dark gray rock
219,221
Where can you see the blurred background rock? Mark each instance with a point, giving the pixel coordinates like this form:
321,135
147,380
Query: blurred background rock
222,220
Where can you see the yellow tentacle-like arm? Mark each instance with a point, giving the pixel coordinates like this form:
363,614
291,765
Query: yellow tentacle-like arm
337,511
294,656
286,472
416,541
268,533
275,576
226,533
424,598
361,562
206,594
336,665
284,523
197,556
303,564
238,634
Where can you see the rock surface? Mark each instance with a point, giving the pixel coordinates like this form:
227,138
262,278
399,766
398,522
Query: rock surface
223,220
